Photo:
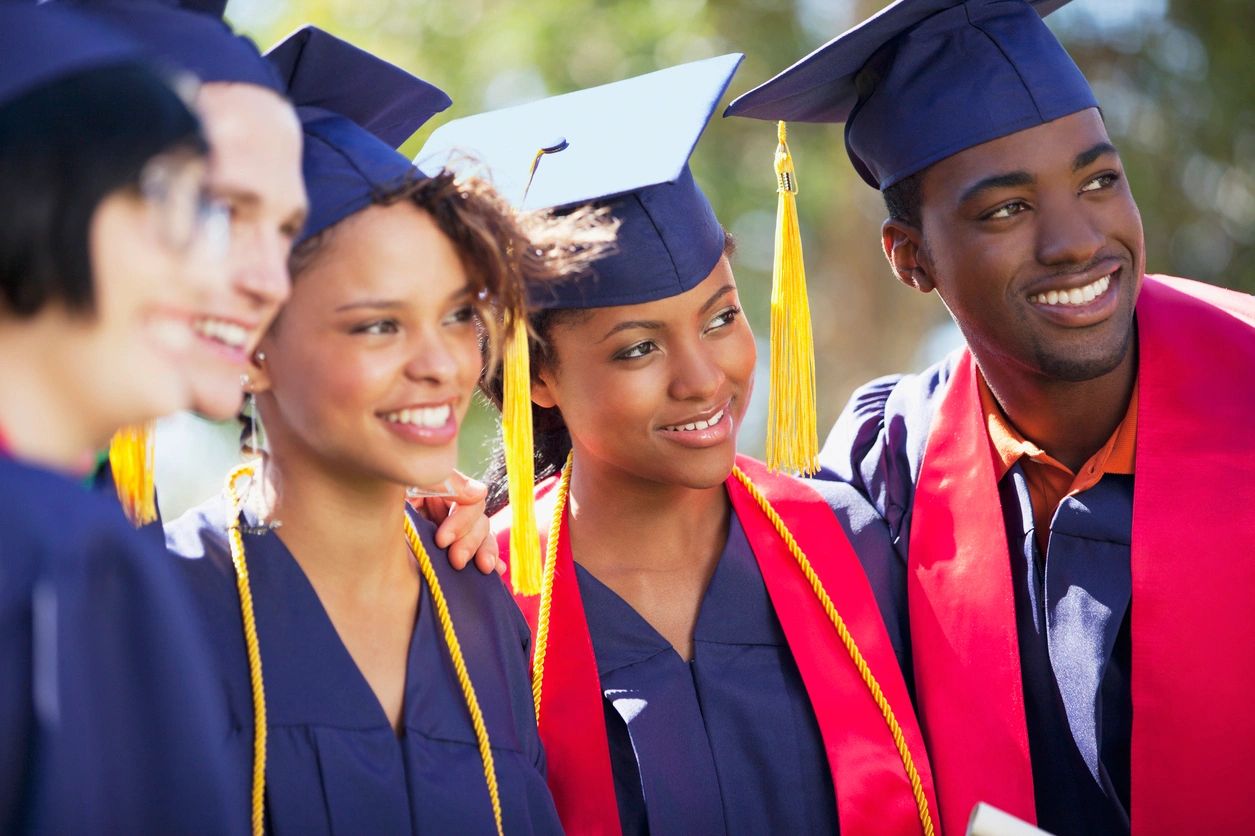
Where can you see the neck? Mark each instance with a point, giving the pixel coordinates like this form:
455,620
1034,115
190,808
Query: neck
39,417
631,523
348,530
1071,421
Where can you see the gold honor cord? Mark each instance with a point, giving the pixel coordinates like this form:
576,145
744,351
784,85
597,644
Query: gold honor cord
251,644
817,586
459,666
254,657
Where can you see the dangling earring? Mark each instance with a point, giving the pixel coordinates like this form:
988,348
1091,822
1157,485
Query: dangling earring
252,443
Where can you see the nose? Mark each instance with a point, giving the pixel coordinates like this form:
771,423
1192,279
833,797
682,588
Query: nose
262,266
696,373
1067,234
433,359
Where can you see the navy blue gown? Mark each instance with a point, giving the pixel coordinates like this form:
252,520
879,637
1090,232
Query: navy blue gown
1072,604
726,743
335,764
107,715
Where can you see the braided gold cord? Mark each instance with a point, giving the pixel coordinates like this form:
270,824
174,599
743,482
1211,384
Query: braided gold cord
546,585
459,666
851,647
254,650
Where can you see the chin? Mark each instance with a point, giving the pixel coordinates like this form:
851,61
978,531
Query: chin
221,405
702,472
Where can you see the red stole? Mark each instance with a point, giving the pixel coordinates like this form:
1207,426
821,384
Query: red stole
872,790
1193,524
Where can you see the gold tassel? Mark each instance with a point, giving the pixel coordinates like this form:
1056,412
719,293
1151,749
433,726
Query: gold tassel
131,461
792,438
516,430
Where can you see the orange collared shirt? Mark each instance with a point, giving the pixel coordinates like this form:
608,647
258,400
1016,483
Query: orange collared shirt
1049,480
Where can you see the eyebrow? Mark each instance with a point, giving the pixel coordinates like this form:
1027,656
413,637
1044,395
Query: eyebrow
1009,180
1086,157
373,304
465,292
648,324
718,294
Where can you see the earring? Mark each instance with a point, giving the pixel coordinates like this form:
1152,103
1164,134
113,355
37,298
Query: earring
259,356
252,443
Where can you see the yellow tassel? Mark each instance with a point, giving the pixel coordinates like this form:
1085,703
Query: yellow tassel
131,461
792,438
516,430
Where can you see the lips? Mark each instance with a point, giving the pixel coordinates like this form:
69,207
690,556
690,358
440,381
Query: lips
1075,296
699,424
430,424
427,417
230,334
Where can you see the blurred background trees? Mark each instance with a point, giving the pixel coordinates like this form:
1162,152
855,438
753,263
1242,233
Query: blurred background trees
1174,77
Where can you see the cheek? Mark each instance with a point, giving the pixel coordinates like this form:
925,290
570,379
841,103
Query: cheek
742,357
468,360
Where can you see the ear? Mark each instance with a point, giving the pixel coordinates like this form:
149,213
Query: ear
542,391
904,247
258,373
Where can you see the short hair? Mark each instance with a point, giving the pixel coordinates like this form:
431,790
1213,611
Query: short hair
902,199
64,148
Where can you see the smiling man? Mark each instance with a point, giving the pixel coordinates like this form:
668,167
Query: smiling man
1068,499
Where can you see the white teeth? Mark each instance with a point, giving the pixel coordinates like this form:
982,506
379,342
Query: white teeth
698,425
428,417
227,333
1075,296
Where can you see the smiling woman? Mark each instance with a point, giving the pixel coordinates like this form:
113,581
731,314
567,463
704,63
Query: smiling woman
694,668
106,707
362,383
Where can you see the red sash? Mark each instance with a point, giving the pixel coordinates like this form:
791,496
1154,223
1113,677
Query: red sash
1193,525
872,791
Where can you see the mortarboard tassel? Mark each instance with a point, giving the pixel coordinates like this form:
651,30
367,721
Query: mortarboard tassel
792,438
131,461
516,431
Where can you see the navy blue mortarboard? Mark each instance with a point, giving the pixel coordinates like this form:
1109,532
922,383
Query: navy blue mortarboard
39,46
626,145
355,110
188,34
925,79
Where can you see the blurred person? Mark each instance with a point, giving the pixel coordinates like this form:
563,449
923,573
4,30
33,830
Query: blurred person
255,153
1081,655
108,240
372,688
687,676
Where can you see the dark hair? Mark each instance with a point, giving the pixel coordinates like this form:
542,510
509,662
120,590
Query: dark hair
64,148
902,199
551,441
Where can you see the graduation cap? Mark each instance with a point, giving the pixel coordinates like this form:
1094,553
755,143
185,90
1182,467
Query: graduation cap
355,110
625,145
188,34
39,46
924,79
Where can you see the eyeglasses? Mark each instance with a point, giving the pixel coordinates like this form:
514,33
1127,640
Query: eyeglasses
187,218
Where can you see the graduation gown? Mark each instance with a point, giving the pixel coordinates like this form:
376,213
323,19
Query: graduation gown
107,717
102,481
1093,688
334,763
767,729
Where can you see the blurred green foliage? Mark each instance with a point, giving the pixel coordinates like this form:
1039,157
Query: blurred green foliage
1174,77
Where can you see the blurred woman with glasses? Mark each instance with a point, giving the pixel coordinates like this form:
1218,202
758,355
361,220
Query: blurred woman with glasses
107,242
